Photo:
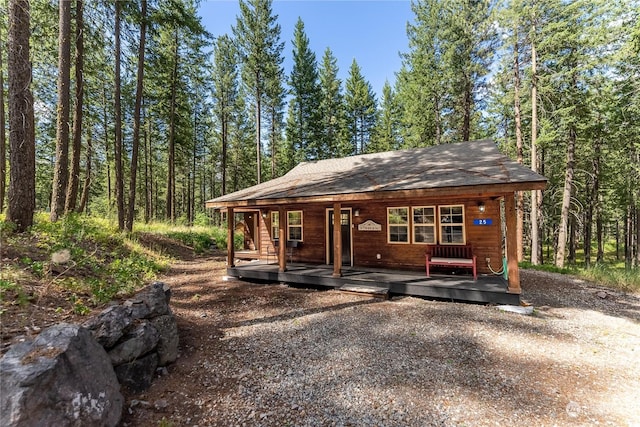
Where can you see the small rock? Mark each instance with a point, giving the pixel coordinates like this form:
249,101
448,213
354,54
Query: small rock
160,404
573,409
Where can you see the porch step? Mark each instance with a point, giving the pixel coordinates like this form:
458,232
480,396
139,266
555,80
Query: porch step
374,291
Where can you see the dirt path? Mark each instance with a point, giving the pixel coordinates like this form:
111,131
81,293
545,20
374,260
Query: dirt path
274,355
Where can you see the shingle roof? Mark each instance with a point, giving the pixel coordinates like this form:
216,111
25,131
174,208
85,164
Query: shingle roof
476,163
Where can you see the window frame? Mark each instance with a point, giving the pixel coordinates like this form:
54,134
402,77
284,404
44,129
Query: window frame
461,224
415,225
275,225
407,226
300,226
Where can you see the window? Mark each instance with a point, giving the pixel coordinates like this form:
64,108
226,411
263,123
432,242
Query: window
451,224
275,225
424,224
294,224
398,225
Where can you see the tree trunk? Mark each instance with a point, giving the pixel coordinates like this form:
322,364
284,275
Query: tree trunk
107,149
61,171
171,169
536,195
258,146
225,142
519,147
118,125
22,146
84,200
3,135
566,199
135,144
74,172
147,194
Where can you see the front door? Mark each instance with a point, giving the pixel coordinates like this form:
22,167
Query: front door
345,221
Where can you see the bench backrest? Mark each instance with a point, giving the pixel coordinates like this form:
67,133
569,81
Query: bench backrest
451,251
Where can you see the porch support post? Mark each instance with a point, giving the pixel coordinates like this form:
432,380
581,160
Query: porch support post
337,240
230,249
512,244
282,240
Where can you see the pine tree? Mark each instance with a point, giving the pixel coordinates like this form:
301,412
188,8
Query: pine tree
386,135
225,92
258,35
303,130
21,196
361,115
61,171
332,108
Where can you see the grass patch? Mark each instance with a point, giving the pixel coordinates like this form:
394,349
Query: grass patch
614,276
84,260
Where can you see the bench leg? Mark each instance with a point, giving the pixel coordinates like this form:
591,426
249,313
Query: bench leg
427,266
475,270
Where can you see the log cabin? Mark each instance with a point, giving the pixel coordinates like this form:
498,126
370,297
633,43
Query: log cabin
438,221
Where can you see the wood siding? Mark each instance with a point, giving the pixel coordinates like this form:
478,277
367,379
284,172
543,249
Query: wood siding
485,239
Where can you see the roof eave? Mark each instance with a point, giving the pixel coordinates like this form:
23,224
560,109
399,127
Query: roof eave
467,190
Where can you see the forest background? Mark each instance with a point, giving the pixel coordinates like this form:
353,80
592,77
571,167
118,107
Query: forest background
130,110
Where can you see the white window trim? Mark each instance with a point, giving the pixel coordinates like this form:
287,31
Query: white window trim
275,232
408,242
434,225
301,226
463,224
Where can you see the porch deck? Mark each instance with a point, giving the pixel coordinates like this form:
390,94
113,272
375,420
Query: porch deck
487,289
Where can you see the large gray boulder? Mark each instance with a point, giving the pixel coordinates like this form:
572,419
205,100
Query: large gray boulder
167,347
110,325
156,297
61,378
139,341
138,375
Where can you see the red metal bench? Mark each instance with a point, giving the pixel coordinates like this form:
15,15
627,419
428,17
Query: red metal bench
451,256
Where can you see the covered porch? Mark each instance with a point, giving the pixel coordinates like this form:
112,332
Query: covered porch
382,282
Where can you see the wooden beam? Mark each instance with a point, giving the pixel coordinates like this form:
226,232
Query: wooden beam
337,240
512,244
282,239
230,228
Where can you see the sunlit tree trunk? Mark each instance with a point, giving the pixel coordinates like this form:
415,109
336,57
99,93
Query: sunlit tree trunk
74,172
135,145
536,195
3,135
22,158
84,200
519,146
61,170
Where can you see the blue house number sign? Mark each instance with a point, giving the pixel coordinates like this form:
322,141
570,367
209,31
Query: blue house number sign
482,221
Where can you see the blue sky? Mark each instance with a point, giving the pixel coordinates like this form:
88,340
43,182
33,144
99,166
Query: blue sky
371,31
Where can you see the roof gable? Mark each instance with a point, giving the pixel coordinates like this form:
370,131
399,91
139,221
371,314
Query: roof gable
477,163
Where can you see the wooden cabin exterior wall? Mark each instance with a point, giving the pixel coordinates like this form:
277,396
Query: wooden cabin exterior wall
485,239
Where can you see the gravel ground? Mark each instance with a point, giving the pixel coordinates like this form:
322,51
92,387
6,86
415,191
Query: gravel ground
272,355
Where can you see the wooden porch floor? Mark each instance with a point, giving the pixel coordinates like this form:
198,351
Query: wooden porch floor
487,289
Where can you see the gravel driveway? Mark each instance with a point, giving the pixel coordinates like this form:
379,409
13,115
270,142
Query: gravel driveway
272,355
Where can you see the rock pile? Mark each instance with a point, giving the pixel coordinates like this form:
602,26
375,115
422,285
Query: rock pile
71,374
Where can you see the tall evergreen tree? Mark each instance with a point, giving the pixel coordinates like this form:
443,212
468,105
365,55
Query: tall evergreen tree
332,109
61,170
21,196
225,93
303,122
386,134
258,36
74,170
360,104
3,134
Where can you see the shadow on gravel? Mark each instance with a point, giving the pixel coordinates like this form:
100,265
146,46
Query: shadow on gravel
562,291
